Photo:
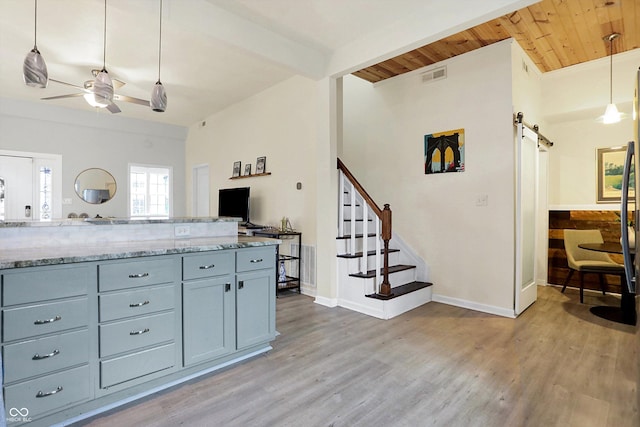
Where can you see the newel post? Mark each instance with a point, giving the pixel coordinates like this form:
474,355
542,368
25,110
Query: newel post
385,286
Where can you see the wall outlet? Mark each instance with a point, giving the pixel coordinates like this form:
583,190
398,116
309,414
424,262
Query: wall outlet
182,231
482,200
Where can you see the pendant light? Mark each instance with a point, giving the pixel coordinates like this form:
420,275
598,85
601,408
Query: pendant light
103,86
611,114
158,94
34,69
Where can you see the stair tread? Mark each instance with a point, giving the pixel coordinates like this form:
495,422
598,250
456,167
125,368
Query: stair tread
359,254
402,290
392,269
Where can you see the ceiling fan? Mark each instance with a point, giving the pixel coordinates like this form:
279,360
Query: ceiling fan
89,94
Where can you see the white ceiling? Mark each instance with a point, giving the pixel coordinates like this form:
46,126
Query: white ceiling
216,52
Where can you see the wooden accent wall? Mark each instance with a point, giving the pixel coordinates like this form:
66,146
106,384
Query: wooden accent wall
607,222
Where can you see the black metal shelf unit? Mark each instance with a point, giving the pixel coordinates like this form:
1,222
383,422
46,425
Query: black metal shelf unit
291,262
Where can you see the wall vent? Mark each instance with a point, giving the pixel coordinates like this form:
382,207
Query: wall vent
308,261
434,74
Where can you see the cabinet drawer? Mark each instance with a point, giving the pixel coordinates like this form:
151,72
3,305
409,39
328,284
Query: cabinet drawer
255,259
140,272
24,322
44,284
125,368
134,303
49,393
136,333
43,355
208,264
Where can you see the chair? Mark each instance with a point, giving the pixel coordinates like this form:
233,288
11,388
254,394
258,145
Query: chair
585,261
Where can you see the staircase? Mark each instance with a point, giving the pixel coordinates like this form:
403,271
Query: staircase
375,276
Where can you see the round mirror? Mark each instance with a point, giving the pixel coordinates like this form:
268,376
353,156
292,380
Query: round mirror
95,186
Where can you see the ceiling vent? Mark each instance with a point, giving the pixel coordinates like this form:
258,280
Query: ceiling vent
434,74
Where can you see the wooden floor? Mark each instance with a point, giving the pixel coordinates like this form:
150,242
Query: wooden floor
437,365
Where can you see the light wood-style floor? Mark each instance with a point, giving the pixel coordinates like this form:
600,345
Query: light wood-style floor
556,365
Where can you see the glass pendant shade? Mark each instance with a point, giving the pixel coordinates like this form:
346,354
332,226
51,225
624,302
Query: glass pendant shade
611,115
158,98
34,69
103,89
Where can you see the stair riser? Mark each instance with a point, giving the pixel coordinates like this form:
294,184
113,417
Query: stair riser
343,245
395,279
347,213
359,226
355,264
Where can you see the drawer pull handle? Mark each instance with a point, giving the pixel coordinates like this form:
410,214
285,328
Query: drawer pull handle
144,331
206,267
256,260
240,284
139,304
49,393
138,276
227,287
44,322
45,356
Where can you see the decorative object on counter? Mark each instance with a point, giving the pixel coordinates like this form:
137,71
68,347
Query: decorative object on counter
611,114
158,94
610,163
72,215
95,186
83,215
34,69
282,273
285,225
236,168
444,152
247,169
261,164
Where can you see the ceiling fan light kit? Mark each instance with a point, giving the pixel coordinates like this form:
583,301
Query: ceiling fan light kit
611,114
34,69
158,94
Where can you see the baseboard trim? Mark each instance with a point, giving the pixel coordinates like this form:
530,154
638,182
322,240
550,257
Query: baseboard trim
362,309
327,302
490,309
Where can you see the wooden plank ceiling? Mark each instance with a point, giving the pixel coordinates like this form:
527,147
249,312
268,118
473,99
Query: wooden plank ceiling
554,33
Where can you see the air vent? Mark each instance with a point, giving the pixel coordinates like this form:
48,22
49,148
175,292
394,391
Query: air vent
434,74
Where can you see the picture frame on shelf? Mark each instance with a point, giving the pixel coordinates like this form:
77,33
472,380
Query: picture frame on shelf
261,164
247,169
236,168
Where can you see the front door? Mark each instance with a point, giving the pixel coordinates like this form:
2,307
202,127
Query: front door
16,178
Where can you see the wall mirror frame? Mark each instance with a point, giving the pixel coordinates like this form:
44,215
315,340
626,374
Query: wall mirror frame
95,186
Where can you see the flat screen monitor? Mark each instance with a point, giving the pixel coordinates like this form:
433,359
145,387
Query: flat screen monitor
234,202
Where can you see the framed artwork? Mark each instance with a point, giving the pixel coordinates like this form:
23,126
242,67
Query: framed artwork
610,165
444,152
247,169
236,168
261,163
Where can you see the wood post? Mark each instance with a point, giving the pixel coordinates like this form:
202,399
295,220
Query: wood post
385,286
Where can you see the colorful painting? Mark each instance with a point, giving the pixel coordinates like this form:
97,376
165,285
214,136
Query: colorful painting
610,170
444,152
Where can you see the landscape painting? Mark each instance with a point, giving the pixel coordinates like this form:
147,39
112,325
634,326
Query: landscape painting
610,169
444,152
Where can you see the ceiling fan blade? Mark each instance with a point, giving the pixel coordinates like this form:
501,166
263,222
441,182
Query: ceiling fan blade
65,83
113,108
130,99
117,84
72,95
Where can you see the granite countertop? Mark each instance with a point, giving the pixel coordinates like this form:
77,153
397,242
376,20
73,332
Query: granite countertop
32,257
112,221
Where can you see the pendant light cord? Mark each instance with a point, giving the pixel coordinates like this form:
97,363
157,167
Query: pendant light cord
160,42
611,69
35,27
104,39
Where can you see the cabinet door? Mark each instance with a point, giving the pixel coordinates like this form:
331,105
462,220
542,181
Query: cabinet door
208,308
255,308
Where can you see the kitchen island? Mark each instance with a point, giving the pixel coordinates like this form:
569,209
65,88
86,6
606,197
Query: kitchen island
99,313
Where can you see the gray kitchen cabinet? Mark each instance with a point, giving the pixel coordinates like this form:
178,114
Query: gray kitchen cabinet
255,307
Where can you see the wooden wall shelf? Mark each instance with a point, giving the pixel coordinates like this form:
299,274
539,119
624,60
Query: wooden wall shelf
251,176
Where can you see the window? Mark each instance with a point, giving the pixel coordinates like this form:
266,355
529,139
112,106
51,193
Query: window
150,191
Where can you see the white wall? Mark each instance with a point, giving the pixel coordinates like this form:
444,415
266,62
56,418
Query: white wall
278,123
94,140
469,249
573,99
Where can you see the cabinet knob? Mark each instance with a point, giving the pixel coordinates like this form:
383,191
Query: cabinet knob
241,284
227,287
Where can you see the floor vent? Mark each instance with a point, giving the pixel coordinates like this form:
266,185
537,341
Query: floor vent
434,74
308,263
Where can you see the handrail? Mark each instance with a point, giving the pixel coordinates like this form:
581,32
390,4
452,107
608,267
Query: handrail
385,216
